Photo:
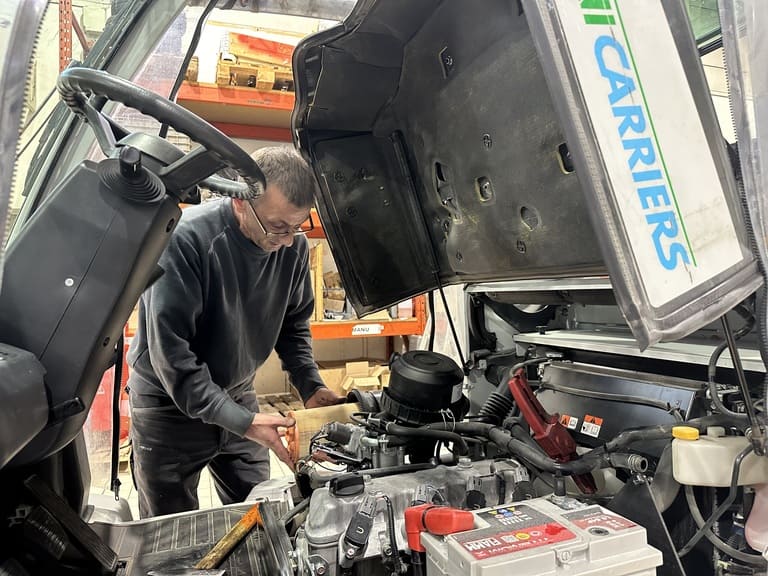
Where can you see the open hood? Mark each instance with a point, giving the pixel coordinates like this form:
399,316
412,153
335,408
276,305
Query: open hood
438,151
456,144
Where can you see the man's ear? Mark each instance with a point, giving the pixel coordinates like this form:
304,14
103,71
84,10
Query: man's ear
239,206
240,209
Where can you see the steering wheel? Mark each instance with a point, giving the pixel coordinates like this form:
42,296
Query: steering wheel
77,85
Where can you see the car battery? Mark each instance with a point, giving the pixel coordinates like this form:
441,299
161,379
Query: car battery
545,536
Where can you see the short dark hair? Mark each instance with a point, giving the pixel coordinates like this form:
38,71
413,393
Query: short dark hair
285,168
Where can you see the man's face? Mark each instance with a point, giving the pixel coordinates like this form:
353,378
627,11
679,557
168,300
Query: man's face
271,221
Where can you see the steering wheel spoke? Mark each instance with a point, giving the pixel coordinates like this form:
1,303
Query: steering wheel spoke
105,135
190,170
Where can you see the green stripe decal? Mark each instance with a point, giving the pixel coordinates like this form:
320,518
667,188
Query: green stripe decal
595,4
600,19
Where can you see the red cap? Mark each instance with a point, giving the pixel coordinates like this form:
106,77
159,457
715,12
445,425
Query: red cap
438,520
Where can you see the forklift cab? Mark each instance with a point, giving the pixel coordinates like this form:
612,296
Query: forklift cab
450,148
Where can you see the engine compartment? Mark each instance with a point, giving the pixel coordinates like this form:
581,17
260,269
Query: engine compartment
572,435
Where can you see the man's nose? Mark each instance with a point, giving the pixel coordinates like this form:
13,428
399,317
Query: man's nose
286,240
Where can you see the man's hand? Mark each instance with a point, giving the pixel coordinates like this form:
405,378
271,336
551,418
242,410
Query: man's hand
323,397
264,431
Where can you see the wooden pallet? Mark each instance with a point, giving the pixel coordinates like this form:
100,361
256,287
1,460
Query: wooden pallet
258,76
279,403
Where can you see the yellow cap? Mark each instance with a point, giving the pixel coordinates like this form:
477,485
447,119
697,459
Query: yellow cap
685,433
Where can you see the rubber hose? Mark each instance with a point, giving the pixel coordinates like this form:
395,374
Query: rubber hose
293,512
664,432
500,402
693,507
593,459
713,359
460,445
534,456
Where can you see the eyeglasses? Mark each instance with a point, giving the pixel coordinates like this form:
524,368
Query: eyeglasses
300,230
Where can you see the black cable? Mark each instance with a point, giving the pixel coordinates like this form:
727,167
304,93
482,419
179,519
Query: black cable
117,388
424,432
749,317
664,432
596,458
706,527
431,311
392,534
501,401
757,430
187,59
752,559
295,511
453,328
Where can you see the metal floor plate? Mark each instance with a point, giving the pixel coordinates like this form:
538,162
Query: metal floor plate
171,543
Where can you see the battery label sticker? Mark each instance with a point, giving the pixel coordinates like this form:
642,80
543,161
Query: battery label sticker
591,425
596,517
569,422
489,543
515,516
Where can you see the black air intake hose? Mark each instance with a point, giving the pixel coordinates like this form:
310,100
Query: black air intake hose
499,403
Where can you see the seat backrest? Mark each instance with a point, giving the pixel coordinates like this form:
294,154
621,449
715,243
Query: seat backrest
72,277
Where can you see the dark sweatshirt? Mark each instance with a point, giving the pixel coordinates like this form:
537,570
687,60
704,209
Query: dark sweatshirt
221,307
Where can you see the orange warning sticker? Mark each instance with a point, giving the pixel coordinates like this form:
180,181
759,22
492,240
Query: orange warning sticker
569,421
591,425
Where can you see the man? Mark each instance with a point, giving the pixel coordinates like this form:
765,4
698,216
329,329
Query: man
236,286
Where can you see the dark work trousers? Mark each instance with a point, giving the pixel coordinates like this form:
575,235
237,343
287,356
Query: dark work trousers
170,450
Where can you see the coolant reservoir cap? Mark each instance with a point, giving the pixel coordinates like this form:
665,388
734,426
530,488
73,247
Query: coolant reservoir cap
685,433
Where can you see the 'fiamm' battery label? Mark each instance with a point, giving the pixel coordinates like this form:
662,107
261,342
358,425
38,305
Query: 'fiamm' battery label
512,528
489,544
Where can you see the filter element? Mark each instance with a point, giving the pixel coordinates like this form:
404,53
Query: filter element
309,422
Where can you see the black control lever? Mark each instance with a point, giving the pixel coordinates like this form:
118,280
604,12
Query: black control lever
355,540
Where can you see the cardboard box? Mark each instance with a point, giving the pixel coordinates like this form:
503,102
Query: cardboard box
334,305
332,280
360,375
316,270
368,383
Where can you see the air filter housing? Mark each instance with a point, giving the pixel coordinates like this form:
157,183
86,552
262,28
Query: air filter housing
422,384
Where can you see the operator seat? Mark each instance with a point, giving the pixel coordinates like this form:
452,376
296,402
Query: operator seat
72,277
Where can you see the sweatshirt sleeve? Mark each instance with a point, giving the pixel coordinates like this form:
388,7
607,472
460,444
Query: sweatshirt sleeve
294,343
173,306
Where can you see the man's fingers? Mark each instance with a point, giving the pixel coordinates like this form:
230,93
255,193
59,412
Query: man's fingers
273,420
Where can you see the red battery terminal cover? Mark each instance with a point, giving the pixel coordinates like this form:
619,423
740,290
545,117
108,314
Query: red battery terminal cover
547,430
437,520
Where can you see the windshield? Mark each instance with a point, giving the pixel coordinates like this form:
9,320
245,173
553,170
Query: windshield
94,33
705,21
